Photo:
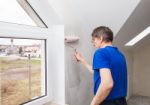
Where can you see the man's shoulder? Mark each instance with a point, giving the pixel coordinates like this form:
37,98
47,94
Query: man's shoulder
101,51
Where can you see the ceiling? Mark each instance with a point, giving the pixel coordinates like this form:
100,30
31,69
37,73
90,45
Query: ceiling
136,23
126,18
112,13
92,13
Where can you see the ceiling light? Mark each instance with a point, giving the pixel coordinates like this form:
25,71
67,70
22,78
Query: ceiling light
138,37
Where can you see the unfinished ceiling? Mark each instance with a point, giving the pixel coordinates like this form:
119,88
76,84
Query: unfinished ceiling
136,23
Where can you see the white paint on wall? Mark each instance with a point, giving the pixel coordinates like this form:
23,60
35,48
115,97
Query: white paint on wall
57,64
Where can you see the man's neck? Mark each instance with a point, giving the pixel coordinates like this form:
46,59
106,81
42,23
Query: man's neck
104,44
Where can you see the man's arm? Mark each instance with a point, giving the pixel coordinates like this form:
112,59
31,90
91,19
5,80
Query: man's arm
87,65
83,61
104,88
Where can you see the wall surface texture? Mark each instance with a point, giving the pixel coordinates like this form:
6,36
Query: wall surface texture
129,60
141,70
79,84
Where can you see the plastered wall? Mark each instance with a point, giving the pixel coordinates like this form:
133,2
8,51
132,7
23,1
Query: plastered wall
141,69
129,60
79,83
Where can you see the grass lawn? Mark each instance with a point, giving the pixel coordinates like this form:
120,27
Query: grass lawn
16,91
6,64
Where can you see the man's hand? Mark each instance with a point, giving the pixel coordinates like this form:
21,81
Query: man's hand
78,56
94,102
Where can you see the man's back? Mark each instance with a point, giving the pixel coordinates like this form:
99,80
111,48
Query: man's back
110,57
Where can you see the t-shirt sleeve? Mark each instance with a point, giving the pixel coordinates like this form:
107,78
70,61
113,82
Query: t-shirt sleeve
100,60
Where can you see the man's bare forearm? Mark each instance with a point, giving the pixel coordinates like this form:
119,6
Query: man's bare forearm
87,65
105,87
101,95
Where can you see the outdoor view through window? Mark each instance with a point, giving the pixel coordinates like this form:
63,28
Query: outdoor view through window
22,70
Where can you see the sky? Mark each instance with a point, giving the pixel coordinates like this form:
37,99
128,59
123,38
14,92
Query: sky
11,11
7,41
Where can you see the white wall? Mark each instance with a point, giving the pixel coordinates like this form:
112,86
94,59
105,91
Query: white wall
57,65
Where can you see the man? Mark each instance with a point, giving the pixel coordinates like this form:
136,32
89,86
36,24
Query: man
109,69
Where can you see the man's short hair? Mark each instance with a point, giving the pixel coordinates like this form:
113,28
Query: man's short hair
103,31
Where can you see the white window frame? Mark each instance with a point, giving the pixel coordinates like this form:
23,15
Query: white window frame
23,31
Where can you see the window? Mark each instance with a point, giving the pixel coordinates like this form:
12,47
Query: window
22,70
20,12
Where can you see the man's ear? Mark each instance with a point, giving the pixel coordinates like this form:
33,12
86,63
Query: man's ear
101,38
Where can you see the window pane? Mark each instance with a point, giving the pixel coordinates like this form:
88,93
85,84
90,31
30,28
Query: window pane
12,11
22,70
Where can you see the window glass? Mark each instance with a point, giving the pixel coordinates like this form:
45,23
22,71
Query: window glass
22,70
19,12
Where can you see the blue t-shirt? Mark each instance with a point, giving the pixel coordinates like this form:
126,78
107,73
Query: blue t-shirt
110,57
